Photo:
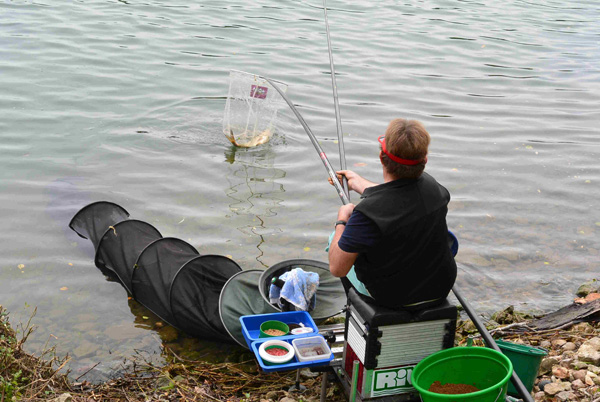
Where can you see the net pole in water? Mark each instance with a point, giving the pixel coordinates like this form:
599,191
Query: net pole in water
313,139
336,103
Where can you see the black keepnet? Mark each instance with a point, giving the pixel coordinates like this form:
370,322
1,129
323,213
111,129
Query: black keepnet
194,296
92,221
331,297
121,246
240,296
154,271
204,296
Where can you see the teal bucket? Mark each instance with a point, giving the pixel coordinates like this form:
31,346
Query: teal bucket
486,369
526,361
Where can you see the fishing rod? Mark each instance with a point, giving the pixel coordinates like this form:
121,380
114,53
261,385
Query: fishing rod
516,381
336,104
342,189
336,183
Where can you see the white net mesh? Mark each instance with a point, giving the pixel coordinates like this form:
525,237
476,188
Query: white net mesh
251,109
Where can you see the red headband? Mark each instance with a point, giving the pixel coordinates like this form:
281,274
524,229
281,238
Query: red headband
409,162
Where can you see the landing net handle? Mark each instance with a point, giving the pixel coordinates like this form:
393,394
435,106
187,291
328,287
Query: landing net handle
336,183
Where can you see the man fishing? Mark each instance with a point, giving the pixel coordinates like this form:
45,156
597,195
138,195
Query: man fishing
393,245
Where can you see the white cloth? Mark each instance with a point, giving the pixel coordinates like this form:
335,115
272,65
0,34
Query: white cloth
299,289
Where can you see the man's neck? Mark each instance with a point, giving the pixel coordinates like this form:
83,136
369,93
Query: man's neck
387,177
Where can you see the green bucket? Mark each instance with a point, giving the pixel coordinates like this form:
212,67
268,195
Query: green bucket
486,369
526,361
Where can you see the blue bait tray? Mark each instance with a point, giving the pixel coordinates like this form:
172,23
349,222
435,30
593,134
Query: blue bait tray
251,331
251,324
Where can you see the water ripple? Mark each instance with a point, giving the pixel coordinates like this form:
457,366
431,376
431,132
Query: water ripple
124,101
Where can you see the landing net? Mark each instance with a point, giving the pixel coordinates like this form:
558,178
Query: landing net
251,109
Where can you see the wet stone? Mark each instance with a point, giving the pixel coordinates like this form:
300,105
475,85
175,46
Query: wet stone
122,332
85,326
164,382
567,362
583,327
555,387
577,365
589,381
594,369
588,287
306,373
168,334
589,351
86,349
560,372
547,364
86,318
94,372
565,396
66,397
469,326
568,354
580,374
273,395
543,383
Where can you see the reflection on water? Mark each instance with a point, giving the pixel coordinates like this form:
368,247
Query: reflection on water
254,191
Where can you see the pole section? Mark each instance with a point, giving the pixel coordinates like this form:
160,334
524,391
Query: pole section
336,103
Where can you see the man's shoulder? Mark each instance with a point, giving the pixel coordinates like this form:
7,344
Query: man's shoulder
360,234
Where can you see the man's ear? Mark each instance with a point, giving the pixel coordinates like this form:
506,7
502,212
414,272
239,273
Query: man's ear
381,156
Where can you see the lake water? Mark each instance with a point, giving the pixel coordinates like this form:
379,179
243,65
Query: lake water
123,101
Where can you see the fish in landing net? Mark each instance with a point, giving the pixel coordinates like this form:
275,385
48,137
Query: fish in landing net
248,141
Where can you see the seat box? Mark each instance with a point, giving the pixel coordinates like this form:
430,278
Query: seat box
388,343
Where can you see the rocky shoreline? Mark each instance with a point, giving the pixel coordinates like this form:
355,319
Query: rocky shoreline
569,372
571,369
